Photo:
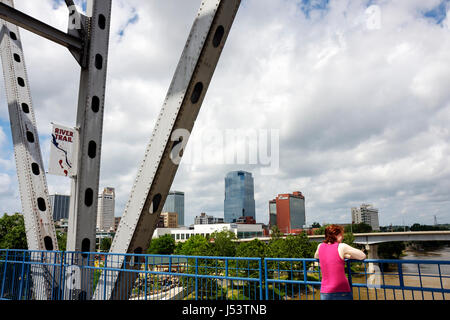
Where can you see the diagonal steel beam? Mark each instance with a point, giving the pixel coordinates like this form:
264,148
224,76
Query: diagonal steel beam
36,208
14,16
176,119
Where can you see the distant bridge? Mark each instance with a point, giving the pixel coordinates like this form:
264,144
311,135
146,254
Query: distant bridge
371,240
380,237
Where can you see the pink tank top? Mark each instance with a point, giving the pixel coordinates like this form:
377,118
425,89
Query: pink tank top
333,269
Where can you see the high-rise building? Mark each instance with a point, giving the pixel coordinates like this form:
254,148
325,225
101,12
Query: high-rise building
366,214
168,220
290,212
60,206
105,212
116,223
203,218
272,213
239,196
175,203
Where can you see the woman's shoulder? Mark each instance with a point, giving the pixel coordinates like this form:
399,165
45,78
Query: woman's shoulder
343,246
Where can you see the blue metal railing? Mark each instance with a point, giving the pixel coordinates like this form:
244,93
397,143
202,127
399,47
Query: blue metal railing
371,279
39,275
27,275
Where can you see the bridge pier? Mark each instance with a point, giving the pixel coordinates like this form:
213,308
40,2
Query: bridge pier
372,253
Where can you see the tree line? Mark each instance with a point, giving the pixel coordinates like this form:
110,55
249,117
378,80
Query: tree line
224,243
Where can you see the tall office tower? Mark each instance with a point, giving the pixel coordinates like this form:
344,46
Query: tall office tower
60,206
272,213
175,203
290,212
366,214
239,196
105,213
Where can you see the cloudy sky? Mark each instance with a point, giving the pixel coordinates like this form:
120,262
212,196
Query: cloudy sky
355,95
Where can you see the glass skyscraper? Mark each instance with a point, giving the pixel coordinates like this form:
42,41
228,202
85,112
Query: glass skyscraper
60,206
239,196
175,203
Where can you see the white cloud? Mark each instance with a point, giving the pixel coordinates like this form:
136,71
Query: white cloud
363,114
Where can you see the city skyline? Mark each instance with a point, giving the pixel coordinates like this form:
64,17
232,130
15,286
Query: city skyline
374,131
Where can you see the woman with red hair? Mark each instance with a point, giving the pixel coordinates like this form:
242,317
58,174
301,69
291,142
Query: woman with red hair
331,254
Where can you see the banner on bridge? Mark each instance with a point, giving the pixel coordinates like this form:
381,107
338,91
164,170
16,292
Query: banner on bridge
62,149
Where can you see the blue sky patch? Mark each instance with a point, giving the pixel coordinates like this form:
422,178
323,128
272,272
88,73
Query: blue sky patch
438,13
308,6
132,20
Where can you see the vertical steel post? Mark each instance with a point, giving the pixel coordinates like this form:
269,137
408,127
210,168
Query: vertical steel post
91,100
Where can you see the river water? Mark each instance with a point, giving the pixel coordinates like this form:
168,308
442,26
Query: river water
431,276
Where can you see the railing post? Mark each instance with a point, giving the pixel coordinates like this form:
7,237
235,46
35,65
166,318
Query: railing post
265,279
146,276
61,275
349,271
4,273
196,278
21,276
53,275
260,279
105,266
400,278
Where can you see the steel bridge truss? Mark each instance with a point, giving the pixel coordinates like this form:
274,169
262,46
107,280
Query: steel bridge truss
88,41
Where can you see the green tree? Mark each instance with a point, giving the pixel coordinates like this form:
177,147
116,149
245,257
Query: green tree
12,232
105,244
162,245
196,245
349,238
223,244
276,233
321,230
62,240
254,248
359,228
293,246
391,250
315,225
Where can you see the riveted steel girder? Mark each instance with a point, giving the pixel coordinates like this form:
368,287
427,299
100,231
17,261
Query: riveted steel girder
84,191
33,189
178,114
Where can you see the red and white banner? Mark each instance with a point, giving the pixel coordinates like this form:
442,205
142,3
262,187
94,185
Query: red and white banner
62,162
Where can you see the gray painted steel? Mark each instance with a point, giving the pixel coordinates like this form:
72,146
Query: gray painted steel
8,13
156,173
30,168
36,208
85,185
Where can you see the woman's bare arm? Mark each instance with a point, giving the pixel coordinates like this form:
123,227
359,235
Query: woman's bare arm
351,253
316,255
